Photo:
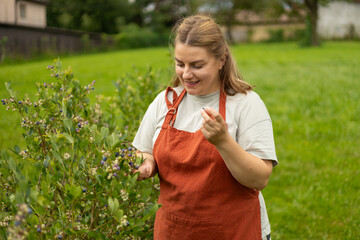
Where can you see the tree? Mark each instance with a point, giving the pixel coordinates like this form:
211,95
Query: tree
89,15
311,8
225,11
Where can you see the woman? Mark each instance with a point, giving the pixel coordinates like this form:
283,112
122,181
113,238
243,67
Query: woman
210,140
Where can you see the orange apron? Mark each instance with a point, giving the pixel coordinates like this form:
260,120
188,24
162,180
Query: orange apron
199,197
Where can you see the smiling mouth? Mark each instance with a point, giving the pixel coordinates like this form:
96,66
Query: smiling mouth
191,84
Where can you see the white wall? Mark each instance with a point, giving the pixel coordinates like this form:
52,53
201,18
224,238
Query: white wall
35,14
7,11
335,20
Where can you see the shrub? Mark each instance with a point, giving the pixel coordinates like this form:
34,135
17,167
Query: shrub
75,179
126,109
133,36
276,35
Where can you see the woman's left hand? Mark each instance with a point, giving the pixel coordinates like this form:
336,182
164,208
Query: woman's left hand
214,127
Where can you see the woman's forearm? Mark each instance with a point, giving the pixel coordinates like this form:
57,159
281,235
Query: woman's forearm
247,169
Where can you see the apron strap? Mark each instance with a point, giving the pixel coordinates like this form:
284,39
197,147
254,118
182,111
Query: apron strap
222,104
168,103
172,107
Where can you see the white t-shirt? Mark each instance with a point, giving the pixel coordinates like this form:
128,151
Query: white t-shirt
247,118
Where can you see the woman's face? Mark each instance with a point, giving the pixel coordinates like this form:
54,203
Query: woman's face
197,69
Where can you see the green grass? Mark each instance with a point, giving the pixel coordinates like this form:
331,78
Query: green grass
313,96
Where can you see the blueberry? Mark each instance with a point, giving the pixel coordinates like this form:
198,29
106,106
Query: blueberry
130,155
102,162
59,237
24,121
117,232
130,148
4,103
35,105
104,158
38,229
84,190
2,100
115,174
37,123
117,154
19,102
60,110
106,205
79,124
131,163
17,223
30,211
122,155
57,75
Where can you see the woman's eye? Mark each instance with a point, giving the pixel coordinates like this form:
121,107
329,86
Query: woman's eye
197,66
179,65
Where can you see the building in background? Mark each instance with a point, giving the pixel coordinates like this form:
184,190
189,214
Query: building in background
30,13
339,20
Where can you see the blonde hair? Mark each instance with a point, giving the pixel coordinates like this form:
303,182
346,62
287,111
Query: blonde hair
202,31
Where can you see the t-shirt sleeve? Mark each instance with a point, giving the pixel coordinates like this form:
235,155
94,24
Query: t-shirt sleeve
143,140
255,134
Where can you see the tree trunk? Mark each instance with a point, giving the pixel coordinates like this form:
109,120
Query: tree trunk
229,22
312,6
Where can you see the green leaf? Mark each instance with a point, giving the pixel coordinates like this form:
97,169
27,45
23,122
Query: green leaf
46,161
53,143
63,107
113,205
8,88
104,132
58,157
119,213
74,190
69,138
5,155
68,124
33,220
16,148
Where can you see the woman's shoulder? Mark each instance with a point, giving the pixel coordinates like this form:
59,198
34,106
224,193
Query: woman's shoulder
247,105
250,97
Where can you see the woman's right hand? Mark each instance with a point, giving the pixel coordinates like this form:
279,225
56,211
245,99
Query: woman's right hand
148,168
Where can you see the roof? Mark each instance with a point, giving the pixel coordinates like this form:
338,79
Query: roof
37,1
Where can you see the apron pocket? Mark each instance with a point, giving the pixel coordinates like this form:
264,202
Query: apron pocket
171,227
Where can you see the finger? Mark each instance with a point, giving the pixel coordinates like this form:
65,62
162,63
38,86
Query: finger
205,116
213,113
143,173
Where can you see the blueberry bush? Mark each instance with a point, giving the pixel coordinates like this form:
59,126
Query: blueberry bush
131,97
76,178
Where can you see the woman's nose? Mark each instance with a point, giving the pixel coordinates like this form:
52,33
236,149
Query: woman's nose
187,74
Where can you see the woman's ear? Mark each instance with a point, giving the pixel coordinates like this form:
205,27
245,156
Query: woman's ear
222,61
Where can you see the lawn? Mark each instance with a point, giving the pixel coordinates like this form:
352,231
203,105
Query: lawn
313,97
